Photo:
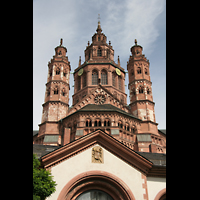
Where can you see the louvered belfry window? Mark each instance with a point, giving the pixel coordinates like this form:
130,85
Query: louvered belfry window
99,52
94,77
113,79
104,80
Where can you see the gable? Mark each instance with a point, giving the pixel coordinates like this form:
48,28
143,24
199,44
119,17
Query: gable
81,165
102,139
99,96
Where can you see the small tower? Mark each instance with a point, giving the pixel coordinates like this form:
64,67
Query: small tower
141,98
56,102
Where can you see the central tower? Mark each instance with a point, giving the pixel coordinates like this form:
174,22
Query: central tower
99,67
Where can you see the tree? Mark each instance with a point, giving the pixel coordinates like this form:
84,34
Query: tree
43,184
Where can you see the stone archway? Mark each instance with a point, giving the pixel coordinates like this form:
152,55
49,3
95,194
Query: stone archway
96,180
161,195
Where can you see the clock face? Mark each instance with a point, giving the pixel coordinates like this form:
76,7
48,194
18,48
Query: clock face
80,72
99,99
118,71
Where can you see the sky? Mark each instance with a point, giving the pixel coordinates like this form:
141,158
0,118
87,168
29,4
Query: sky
121,21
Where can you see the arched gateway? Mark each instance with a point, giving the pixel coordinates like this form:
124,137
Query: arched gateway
104,184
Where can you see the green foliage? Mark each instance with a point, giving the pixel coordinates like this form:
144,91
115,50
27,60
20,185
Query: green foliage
36,197
43,184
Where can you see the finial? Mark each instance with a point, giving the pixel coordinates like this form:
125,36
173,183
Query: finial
109,42
118,61
61,40
99,30
79,63
136,42
88,43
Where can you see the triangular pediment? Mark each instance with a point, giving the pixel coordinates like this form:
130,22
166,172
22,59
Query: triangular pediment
103,139
99,96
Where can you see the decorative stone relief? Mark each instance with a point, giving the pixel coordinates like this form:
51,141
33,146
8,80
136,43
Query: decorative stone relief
97,154
99,99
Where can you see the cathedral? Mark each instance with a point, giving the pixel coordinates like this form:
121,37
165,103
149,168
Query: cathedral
100,148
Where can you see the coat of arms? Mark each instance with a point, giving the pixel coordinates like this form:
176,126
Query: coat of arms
97,154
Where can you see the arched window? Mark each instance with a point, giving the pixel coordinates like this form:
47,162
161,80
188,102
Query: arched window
63,92
104,80
93,195
99,52
140,89
94,77
139,70
127,126
107,122
145,71
133,129
88,123
113,79
120,124
64,72
97,122
148,91
57,71
56,90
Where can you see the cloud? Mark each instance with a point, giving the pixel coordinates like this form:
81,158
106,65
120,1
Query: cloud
133,19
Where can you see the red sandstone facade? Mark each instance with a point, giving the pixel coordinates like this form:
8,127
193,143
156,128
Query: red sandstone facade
99,100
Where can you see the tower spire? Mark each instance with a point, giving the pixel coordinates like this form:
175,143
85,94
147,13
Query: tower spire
99,30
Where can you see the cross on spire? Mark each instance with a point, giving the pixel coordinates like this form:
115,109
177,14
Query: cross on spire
98,17
99,25
136,42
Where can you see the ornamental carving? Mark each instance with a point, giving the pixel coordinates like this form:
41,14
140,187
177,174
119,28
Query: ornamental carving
97,155
99,99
